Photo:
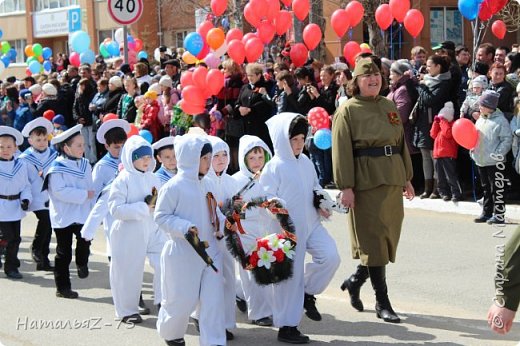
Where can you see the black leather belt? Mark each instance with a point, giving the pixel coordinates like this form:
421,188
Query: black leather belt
387,150
11,198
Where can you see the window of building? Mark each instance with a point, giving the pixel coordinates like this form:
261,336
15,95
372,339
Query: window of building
103,34
179,38
19,45
8,6
41,5
446,24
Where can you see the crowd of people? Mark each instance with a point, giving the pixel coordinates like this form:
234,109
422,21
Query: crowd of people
391,135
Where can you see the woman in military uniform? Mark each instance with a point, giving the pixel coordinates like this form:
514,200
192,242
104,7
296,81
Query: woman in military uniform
372,168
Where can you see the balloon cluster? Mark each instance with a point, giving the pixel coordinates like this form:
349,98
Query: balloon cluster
344,19
399,10
484,9
8,54
80,46
37,58
319,119
113,48
197,86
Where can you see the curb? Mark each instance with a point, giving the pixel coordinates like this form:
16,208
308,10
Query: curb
440,206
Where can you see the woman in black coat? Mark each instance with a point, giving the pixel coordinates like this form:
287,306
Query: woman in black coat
252,106
434,91
498,83
115,91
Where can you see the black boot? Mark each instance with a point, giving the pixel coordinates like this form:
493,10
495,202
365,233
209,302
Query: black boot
292,335
309,304
353,285
383,307
143,309
428,188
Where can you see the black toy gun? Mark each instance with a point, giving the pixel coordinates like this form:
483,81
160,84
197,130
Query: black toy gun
200,247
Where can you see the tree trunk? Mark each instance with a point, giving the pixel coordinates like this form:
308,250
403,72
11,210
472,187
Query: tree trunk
376,39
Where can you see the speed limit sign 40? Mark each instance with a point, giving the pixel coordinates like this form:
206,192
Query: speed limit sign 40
125,11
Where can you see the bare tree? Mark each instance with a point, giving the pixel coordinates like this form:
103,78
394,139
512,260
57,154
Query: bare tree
376,39
510,15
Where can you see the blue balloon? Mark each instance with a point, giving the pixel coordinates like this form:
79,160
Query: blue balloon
147,135
113,48
87,57
34,67
6,60
469,8
142,55
12,54
323,139
1,33
47,66
46,53
130,39
80,41
194,43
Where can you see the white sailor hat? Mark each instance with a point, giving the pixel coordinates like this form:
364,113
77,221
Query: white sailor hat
65,135
164,142
38,122
109,125
11,131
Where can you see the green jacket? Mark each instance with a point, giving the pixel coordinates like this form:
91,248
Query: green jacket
508,292
366,122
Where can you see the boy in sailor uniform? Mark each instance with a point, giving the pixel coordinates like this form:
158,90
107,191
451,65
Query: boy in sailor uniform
182,211
291,176
38,158
15,197
165,155
71,194
253,153
134,234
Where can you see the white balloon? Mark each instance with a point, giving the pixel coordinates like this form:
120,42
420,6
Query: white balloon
221,50
119,35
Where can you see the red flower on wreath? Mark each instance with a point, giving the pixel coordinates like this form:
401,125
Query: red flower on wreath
394,119
280,256
263,243
253,259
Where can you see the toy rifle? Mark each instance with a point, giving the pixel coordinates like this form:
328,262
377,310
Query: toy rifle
200,247
248,185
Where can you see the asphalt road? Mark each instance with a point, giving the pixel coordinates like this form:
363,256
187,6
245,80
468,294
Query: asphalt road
441,285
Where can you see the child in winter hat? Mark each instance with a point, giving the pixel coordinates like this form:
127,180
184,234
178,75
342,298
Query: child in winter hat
445,152
470,106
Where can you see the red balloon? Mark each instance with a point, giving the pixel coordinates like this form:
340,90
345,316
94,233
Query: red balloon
193,94
273,7
138,44
340,22
218,7
384,16
74,59
318,118
499,29
497,5
189,108
399,9
204,28
110,116
28,72
299,54
301,8
312,35
465,133
215,81
249,36
234,34
283,22
134,131
259,7
485,12
250,15
205,51
266,32
186,78
414,22
350,51
237,51
254,48
355,12
199,77
287,3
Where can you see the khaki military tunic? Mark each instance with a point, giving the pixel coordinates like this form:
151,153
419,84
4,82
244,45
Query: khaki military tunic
376,220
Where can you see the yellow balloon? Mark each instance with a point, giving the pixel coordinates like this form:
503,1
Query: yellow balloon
364,45
188,58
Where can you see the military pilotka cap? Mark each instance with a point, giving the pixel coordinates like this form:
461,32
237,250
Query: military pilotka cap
365,66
